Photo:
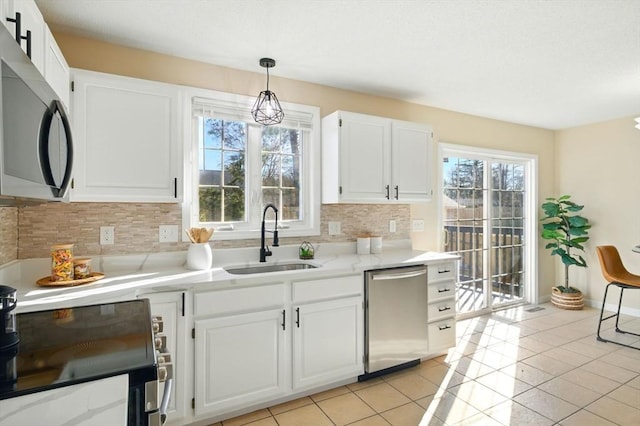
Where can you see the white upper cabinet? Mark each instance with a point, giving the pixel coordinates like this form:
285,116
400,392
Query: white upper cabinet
411,161
56,69
45,53
368,159
32,26
127,139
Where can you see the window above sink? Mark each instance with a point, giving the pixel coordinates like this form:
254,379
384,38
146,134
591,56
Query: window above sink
237,166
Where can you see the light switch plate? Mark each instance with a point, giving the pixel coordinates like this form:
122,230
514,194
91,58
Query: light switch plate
392,226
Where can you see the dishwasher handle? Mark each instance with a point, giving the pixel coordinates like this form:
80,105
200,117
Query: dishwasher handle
398,275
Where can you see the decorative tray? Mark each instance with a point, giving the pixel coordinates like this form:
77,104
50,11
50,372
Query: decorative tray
46,281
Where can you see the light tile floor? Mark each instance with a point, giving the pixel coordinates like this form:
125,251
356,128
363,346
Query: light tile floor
513,367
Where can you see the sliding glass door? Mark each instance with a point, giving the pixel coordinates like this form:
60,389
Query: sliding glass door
486,220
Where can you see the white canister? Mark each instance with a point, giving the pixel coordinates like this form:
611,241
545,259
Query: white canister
199,256
363,245
376,245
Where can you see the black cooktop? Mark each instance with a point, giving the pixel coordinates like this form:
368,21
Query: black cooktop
61,347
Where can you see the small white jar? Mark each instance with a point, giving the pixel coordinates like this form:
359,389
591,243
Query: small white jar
363,245
376,245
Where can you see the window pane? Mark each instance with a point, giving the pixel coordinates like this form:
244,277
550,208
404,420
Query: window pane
212,160
234,169
235,135
271,196
212,133
210,204
270,169
234,205
290,205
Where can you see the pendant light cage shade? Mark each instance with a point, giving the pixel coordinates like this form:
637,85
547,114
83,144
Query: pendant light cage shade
267,110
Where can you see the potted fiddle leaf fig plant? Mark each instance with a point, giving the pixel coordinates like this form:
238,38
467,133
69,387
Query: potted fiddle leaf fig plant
567,231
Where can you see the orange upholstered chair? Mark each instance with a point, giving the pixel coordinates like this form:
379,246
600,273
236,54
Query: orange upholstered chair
614,271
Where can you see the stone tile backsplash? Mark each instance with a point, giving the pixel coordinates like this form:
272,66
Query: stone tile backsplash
8,234
29,231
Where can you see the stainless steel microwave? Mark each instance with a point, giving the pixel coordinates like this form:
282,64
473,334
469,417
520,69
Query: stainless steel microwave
36,149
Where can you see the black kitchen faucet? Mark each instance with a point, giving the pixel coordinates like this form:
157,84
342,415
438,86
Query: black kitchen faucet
264,249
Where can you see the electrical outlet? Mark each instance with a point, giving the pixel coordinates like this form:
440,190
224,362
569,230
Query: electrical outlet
107,235
334,228
417,225
168,234
392,226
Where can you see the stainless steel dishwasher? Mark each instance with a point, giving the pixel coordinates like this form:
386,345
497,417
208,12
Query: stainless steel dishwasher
396,332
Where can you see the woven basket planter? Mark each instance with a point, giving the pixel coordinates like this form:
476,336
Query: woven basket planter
571,301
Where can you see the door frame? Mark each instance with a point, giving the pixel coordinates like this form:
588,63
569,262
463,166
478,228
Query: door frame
531,205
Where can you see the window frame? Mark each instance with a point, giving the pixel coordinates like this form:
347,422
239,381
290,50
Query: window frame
238,107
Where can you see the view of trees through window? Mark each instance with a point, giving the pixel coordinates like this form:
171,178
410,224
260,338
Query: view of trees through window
224,152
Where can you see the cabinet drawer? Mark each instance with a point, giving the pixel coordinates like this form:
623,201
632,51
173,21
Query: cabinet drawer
441,289
443,309
442,335
237,300
442,271
328,288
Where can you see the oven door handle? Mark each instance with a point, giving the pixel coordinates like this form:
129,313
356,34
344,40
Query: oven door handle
166,396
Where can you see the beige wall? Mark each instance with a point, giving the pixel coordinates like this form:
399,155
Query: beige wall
450,127
599,167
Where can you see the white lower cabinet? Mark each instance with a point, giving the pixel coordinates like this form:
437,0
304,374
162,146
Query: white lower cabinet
239,360
327,342
442,305
260,344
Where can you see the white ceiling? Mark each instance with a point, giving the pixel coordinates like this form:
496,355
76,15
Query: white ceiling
551,64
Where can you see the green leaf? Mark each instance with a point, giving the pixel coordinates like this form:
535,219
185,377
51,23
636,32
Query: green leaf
577,221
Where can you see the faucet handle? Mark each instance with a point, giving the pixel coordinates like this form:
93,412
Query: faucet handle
275,238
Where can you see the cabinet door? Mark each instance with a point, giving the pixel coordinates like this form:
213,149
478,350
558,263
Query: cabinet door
56,68
170,307
364,157
126,134
239,360
411,161
32,21
328,342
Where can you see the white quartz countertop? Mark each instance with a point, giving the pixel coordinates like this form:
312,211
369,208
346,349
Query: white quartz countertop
132,275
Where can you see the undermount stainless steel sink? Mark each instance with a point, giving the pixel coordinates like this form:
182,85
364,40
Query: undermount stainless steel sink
260,269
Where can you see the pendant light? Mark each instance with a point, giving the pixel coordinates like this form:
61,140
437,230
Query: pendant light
267,110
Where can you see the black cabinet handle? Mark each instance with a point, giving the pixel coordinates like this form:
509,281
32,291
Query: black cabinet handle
175,187
443,308
444,327
28,38
298,317
18,21
444,271
284,316
396,188
443,290
387,189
